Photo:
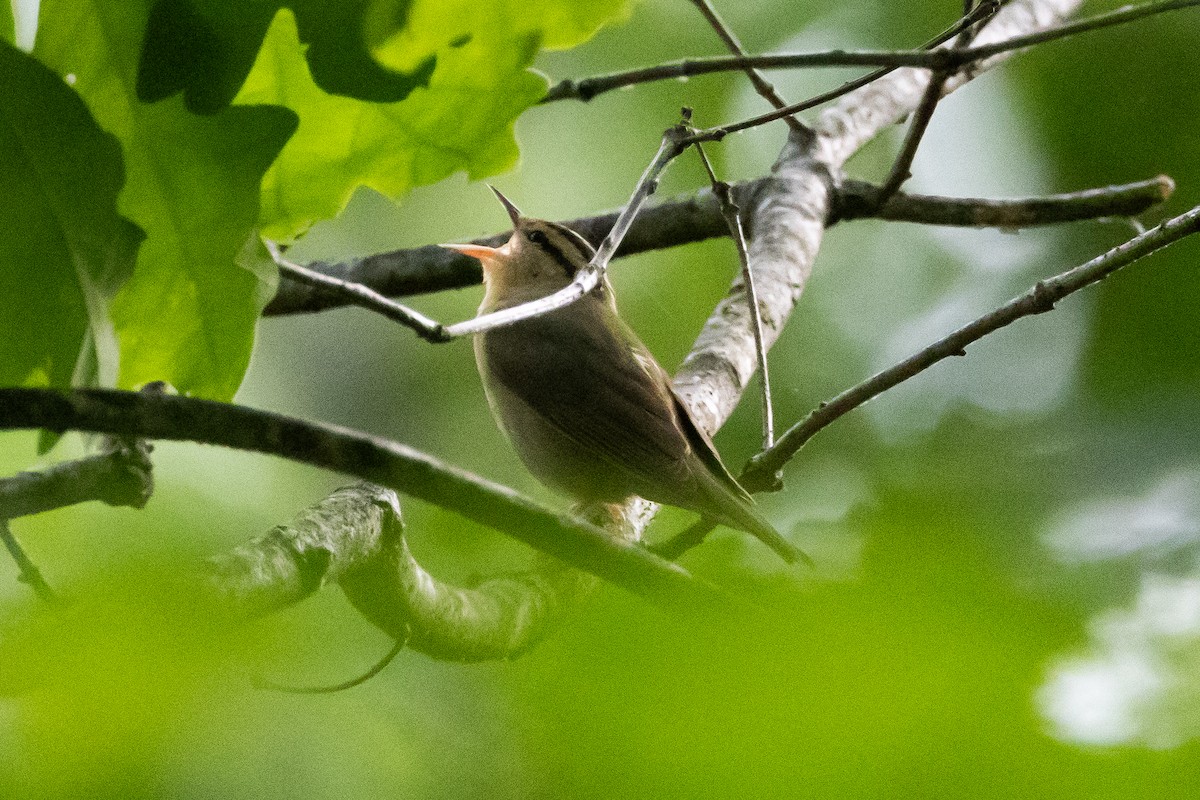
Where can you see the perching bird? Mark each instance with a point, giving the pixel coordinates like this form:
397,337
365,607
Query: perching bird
588,409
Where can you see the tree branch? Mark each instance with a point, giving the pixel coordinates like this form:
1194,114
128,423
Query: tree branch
733,220
27,570
371,458
402,273
120,475
586,89
355,538
855,200
585,280
786,221
1039,299
787,213
761,84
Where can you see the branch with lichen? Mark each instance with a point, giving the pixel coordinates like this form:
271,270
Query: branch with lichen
354,538
422,270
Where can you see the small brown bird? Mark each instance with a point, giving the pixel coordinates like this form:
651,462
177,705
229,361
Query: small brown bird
588,409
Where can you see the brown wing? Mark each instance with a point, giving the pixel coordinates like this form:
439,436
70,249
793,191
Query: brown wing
706,451
598,385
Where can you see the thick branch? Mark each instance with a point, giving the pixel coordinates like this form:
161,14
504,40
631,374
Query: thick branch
402,273
121,476
355,538
370,458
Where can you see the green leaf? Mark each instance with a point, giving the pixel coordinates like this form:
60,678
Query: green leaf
205,48
8,30
463,120
64,249
187,314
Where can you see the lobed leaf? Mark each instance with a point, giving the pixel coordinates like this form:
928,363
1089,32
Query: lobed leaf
187,314
64,249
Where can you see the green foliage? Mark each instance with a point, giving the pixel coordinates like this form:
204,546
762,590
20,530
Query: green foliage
187,312
462,120
6,22
979,533
64,248
205,48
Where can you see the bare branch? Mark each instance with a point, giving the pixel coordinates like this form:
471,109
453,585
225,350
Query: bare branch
28,571
698,217
733,219
355,538
900,171
587,88
761,84
369,458
856,200
357,294
120,476
1039,299
786,221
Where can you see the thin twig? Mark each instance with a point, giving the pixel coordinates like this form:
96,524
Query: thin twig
27,570
901,167
982,12
359,680
733,219
591,275
587,88
761,84
1039,299
1119,17
357,294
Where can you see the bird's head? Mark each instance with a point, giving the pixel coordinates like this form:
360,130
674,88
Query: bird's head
538,259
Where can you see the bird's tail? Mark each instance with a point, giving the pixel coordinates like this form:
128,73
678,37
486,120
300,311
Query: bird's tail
746,518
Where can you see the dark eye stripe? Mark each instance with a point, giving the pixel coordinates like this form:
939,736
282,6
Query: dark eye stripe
539,238
581,245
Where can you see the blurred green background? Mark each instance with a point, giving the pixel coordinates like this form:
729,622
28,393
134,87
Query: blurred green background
1007,594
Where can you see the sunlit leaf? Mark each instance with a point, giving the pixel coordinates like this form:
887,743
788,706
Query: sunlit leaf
64,249
7,30
205,48
187,315
462,120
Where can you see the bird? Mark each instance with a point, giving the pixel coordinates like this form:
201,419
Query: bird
584,403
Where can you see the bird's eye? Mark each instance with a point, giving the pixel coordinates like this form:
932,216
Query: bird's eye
537,237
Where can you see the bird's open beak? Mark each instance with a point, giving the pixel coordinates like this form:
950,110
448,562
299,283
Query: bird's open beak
514,213
482,252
